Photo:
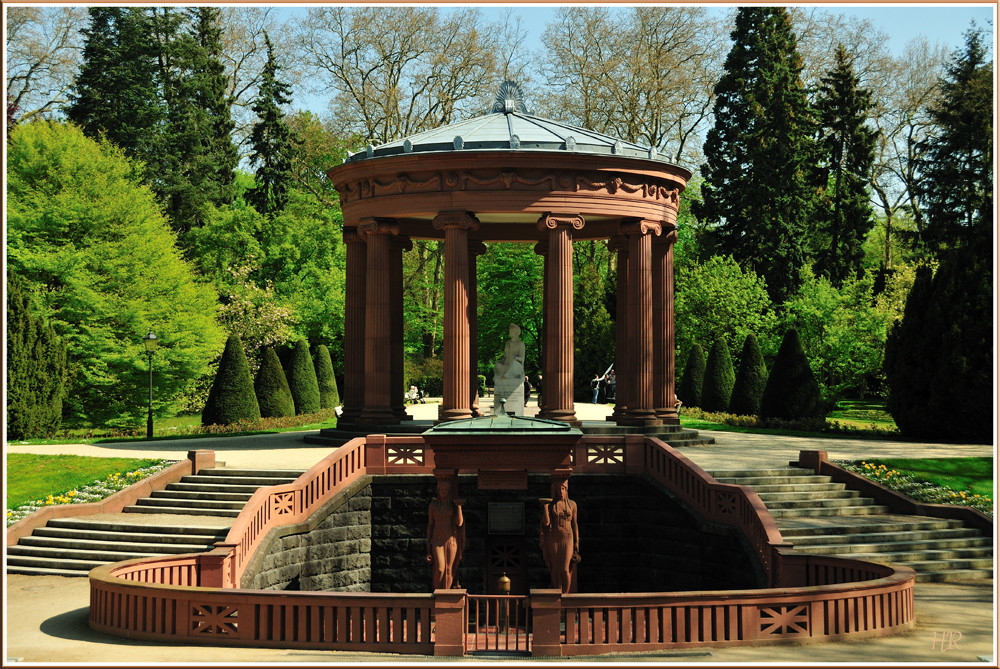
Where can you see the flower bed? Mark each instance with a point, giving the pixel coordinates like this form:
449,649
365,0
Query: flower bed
93,492
920,490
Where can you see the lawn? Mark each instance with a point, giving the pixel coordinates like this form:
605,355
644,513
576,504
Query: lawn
33,477
972,475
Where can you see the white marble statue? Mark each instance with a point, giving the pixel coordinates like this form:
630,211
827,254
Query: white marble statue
508,375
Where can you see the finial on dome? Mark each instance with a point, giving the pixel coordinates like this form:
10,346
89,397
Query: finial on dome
509,99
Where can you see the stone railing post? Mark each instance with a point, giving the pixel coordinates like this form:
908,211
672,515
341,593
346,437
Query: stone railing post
201,460
375,454
214,566
449,623
546,619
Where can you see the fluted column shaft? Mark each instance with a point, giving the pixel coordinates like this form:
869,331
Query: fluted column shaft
619,245
640,316
397,246
456,403
558,381
476,249
354,328
378,321
663,328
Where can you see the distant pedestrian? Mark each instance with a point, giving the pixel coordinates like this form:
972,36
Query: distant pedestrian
527,390
595,385
612,395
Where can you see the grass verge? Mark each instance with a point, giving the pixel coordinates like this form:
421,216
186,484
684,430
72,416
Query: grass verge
961,481
33,477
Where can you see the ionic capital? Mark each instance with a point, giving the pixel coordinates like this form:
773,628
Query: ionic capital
551,221
450,220
377,226
639,226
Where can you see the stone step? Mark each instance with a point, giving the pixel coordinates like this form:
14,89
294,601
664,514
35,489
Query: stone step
816,512
70,555
926,525
258,481
770,497
285,475
192,503
44,571
183,510
119,543
212,487
931,554
79,567
953,575
219,496
795,487
781,472
877,536
754,481
125,525
817,503
898,546
950,565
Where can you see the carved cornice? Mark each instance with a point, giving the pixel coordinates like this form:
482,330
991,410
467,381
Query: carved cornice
637,226
377,226
556,221
450,220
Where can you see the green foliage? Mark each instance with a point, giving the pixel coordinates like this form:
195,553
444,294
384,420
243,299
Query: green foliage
848,147
751,379
689,391
274,397
759,188
272,141
91,241
594,340
718,298
423,297
717,387
426,374
956,159
302,379
509,278
791,392
329,396
36,368
939,358
843,332
31,476
232,398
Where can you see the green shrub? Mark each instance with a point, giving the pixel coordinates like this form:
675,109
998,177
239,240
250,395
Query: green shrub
232,397
791,392
481,385
426,374
689,391
751,379
329,396
36,368
271,387
717,388
302,379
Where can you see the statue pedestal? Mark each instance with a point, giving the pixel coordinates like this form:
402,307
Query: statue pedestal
511,391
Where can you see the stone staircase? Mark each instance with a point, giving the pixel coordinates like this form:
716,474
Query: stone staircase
74,546
819,516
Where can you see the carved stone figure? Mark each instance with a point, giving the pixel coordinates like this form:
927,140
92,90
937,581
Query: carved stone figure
560,538
508,375
445,536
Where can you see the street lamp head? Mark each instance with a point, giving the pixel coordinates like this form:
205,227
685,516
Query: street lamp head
150,342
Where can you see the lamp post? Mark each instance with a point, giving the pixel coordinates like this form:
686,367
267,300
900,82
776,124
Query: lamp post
150,341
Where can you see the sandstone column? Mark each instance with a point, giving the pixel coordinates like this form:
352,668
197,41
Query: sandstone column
354,328
455,404
663,327
558,382
378,322
640,317
397,383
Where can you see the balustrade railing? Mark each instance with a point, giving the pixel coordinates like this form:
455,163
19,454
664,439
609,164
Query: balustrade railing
498,623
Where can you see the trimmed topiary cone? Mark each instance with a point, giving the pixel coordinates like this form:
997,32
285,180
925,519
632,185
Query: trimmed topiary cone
791,392
302,380
329,396
232,397
271,387
717,388
689,391
751,379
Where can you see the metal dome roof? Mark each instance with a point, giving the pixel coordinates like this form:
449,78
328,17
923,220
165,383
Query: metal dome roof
509,127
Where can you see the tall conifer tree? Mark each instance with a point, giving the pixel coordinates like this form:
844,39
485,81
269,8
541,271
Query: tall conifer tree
272,140
956,161
759,188
848,147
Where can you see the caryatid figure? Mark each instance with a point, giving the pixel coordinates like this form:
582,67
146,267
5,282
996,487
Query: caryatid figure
445,536
560,537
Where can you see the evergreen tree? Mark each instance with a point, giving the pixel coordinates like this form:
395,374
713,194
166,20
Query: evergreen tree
792,391
329,396
117,89
759,188
848,146
271,388
717,388
693,379
302,379
232,398
956,159
939,357
272,141
751,379
36,368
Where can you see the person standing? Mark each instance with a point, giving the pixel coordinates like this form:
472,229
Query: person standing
612,395
527,389
595,385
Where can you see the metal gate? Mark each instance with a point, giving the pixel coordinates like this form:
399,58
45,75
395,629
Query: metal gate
498,623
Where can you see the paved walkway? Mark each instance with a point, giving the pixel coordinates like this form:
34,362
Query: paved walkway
46,616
